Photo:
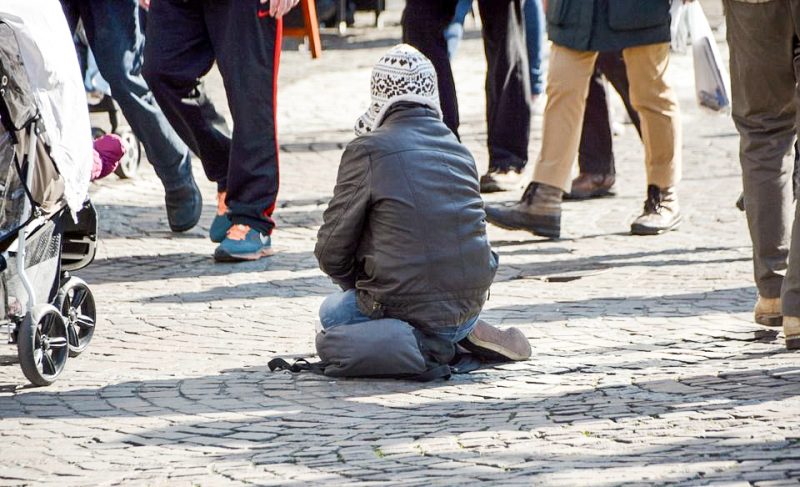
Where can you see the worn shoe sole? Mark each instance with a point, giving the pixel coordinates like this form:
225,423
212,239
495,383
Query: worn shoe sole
486,338
793,342
769,319
637,229
223,256
598,193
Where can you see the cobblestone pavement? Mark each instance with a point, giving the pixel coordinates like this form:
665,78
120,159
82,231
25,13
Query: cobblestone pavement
647,367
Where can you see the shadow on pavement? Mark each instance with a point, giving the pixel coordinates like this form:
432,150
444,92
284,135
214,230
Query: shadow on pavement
720,301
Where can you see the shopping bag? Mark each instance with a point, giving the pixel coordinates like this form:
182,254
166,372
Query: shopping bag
679,27
711,78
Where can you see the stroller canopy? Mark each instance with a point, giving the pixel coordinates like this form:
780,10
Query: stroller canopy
51,64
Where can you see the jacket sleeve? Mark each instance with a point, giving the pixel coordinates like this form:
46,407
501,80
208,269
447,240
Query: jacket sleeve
343,220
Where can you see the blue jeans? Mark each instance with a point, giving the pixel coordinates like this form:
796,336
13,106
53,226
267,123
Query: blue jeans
341,309
116,39
534,37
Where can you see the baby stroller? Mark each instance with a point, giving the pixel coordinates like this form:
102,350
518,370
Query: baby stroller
49,314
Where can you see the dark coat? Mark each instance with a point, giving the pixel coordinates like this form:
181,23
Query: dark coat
406,226
607,25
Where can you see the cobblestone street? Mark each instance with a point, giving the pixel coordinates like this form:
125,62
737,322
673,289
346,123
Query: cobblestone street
647,367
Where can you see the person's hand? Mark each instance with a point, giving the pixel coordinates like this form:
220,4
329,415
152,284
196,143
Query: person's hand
279,8
145,4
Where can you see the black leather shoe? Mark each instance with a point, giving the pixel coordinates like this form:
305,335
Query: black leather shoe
184,207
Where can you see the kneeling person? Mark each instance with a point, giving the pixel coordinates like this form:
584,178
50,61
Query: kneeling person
405,235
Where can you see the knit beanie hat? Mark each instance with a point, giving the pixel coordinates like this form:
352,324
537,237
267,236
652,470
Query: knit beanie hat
402,74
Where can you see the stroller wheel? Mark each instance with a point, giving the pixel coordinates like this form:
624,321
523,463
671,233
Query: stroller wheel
129,164
42,345
76,303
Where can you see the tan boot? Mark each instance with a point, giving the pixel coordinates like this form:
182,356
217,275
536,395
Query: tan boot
767,311
791,328
491,343
538,211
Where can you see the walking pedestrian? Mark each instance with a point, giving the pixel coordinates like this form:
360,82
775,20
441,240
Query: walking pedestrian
763,37
185,38
116,37
597,169
508,94
578,31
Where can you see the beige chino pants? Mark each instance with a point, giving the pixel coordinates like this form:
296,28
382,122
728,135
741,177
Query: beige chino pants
567,88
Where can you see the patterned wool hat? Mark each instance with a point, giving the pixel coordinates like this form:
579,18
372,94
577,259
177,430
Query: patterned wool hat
402,74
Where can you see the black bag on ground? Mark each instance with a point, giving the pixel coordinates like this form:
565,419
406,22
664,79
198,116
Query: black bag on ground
385,348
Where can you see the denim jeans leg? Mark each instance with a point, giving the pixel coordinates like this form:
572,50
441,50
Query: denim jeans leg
457,333
117,41
534,38
455,31
341,309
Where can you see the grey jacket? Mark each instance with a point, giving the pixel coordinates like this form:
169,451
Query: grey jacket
607,25
406,226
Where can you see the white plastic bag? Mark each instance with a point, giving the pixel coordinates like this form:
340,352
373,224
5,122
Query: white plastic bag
679,27
711,78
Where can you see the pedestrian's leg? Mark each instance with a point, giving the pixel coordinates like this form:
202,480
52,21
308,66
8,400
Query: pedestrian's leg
612,65
117,41
424,23
454,31
247,43
657,105
762,88
595,153
177,54
534,39
567,88
790,291
341,308
539,209
115,36
508,101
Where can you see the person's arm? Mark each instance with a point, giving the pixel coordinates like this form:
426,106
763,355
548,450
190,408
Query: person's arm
343,220
277,8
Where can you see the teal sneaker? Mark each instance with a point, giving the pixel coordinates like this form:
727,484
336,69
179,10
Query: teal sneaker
221,223
243,243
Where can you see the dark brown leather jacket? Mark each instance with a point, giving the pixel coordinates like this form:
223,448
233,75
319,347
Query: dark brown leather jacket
406,226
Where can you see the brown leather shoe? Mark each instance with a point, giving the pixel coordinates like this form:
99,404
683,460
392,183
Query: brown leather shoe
587,186
791,328
491,343
767,311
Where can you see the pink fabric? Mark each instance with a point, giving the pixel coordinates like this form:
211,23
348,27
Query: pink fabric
108,150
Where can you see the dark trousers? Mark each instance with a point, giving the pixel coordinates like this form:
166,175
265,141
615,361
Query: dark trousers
765,105
508,103
184,38
116,38
596,153
424,23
